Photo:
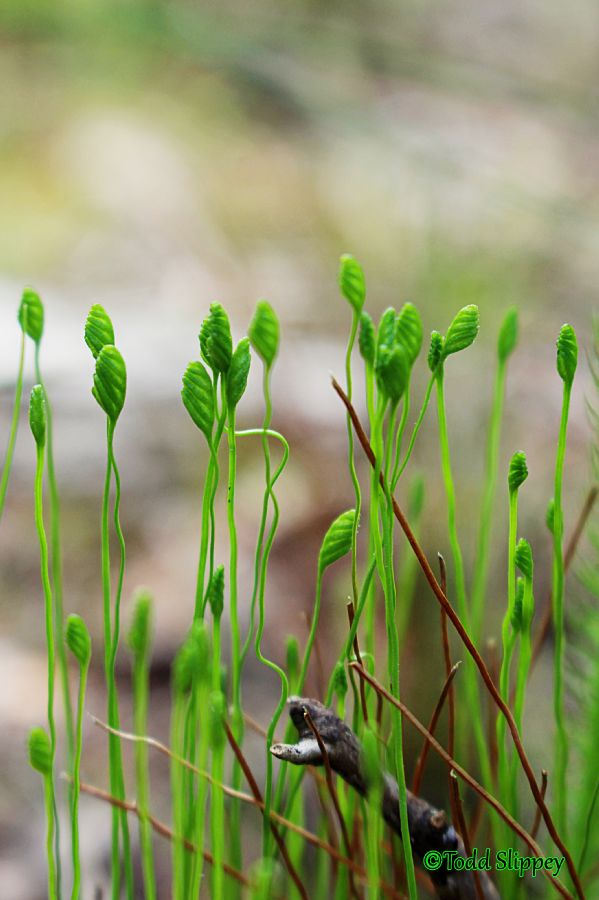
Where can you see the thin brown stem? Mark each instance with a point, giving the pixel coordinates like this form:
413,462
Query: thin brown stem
537,821
422,757
460,824
293,873
159,827
308,836
332,792
471,648
351,614
464,775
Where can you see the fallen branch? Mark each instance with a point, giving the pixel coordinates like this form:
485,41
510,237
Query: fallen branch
429,828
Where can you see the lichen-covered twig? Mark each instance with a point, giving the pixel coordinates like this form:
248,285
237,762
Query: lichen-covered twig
429,827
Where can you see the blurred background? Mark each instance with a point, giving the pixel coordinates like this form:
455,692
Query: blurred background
157,156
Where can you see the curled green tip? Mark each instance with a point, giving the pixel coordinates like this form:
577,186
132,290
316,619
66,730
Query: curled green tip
523,558
216,342
367,338
37,414
516,617
352,282
408,331
237,375
98,329
198,398
110,381
508,334
264,332
518,472
78,640
340,685
463,330
31,315
392,372
338,539
567,354
215,592
140,630
217,714
435,351
40,751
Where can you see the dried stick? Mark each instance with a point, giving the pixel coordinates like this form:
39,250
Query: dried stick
159,827
537,822
422,756
351,614
332,791
428,826
258,797
465,776
468,643
308,836
460,822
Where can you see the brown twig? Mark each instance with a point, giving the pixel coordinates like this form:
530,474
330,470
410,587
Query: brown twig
537,821
464,775
460,824
545,621
351,615
293,873
468,643
308,836
422,756
159,827
332,792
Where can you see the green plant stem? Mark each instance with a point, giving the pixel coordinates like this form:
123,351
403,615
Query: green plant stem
562,750
399,437
218,822
14,425
351,460
76,784
236,712
56,568
49,623
140,707
208,531
201,761
481,568
522,672
177,793
416,429
396,741
49,802
470,682
111,636
373,842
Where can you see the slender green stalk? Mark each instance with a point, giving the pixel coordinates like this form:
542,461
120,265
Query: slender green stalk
415,430
350,458
562,748
201,760
481,568
217,808
49,802
177,792
470,682
14,425
142,772
208,517
393,674
507,339
50,648
56,567
236,712
76,784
